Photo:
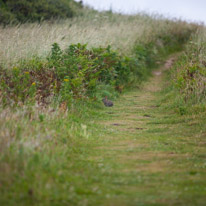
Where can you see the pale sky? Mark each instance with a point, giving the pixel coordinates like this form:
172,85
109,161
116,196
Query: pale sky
194,10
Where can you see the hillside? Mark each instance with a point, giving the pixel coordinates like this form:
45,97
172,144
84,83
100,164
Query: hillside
59,144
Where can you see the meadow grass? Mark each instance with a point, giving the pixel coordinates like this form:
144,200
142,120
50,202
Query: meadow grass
122,32
71,155
137,153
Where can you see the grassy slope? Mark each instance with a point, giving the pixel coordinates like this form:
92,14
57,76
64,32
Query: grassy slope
136,153
49,157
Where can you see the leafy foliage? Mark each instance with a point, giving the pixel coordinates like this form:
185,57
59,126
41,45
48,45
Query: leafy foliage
13,11
76,73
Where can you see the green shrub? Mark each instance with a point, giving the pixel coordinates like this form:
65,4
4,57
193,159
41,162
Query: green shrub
75,73
6,17
34,10
82,70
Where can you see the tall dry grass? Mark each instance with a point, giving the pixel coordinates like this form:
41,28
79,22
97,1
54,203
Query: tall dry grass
94,29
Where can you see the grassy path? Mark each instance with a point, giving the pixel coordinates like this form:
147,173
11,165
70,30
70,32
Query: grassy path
149,156
135,153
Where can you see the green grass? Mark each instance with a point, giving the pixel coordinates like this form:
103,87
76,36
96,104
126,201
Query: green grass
187,79
135,153
142,151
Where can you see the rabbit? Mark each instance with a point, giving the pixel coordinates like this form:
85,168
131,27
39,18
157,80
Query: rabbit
107,102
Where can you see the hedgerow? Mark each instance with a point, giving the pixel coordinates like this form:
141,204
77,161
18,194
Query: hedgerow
81,73
77,73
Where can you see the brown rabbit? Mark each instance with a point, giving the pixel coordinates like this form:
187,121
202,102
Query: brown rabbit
107,102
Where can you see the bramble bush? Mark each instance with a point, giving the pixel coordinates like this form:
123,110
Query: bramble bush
75,73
